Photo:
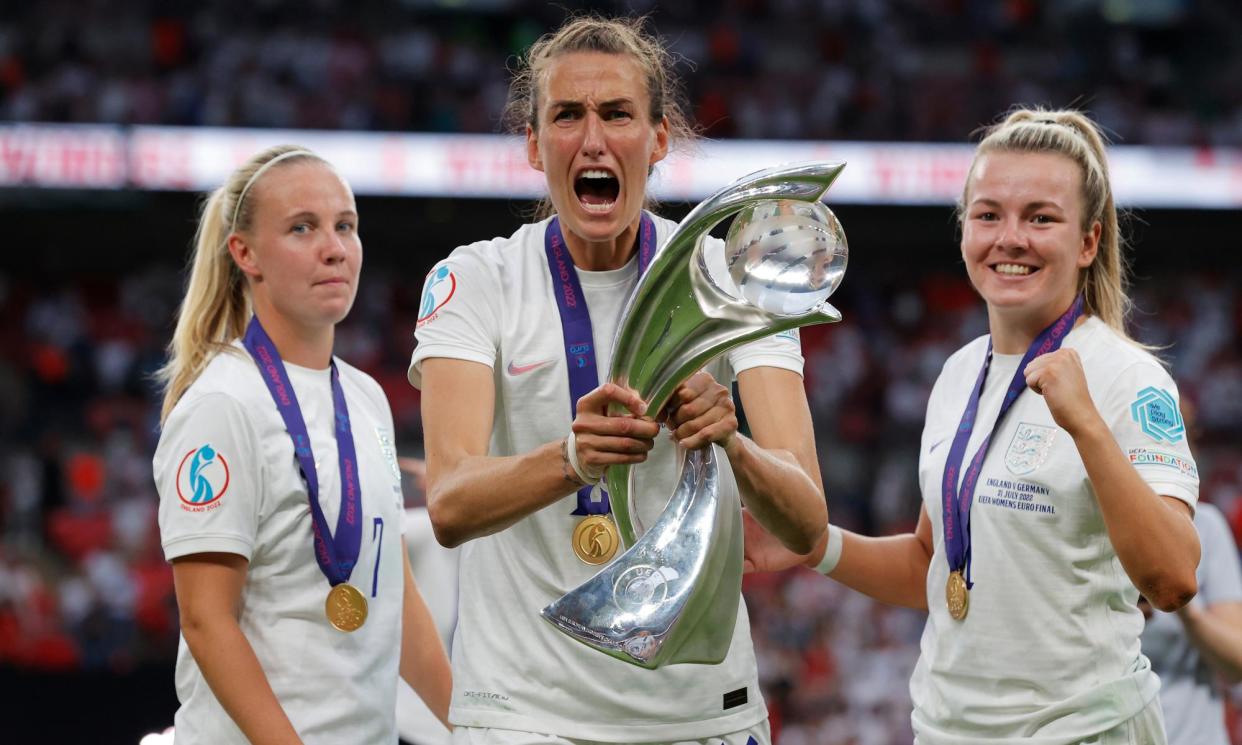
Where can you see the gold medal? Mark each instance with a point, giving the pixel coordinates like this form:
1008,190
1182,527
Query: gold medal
595,539
956,596
346,607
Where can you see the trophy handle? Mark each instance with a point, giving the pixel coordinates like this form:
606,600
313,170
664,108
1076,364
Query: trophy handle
673,596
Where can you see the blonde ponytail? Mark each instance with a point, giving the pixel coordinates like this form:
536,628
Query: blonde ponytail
216,307
1073,135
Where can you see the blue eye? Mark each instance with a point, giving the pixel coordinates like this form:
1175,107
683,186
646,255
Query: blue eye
300,228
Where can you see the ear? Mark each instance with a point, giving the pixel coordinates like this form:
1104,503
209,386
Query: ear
661,142
1090,245
532,149
244,256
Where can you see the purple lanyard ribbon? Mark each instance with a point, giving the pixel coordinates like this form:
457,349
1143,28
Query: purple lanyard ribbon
576,329
957,502
336,553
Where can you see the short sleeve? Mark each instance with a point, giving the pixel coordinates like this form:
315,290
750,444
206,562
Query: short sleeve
1220,575
1142,411
459,316
783,350
209,477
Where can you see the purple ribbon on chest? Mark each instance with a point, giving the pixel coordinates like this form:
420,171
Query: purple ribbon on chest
576,329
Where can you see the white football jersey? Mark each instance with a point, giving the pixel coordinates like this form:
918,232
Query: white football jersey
492,302
1049,651
229,482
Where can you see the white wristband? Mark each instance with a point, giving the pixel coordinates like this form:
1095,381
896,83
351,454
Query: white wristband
571,446
832,554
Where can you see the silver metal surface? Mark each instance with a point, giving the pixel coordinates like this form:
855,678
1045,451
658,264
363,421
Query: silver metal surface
673,595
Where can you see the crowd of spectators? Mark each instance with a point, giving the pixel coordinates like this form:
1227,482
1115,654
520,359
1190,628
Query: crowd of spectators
83,584
1155,72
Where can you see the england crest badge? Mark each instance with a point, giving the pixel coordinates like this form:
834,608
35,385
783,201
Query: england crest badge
1029,448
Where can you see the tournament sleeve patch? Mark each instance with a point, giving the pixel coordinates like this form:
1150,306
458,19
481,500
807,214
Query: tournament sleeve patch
1149,457
1157,415
439,288
202,479
789,335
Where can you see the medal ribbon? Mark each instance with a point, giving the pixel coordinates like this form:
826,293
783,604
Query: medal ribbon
956,502
336,553
576,328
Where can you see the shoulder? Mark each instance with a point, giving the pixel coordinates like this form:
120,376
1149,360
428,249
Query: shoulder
496,253
366,386
1101,347
967,357
231,378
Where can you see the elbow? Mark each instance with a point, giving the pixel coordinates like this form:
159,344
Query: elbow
1170,593
446,522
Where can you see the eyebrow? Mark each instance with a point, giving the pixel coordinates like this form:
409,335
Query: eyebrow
571,103
312,213
1038,205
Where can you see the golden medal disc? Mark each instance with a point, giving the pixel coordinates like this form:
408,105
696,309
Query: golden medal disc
346,607
595,539
957,596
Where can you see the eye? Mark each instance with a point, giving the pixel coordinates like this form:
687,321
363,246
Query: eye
300,228
987,216
345,226
565,115
617,115
1043,219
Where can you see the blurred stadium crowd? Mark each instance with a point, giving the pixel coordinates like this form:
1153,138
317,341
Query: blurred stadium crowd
83,584
1156,71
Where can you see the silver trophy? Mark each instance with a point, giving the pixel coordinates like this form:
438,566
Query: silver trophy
673,595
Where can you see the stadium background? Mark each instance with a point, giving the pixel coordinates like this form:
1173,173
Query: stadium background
91,275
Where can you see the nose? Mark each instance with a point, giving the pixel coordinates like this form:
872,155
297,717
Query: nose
592,135
1012,235
334,248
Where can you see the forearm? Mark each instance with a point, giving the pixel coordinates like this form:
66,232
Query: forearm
1217,637
477,495
779,493
232,670
424,664
891,569
1156,542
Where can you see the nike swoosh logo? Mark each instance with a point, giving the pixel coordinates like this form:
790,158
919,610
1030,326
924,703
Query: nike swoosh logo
515,369
932,449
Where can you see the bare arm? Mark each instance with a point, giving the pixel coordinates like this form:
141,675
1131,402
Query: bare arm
424,664
778,471
208,590
471,494
1216,630
891,569
1154,536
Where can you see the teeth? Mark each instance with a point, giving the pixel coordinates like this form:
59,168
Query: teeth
1016,270
597,207
595,174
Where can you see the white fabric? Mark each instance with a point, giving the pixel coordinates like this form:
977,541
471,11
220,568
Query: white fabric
334,686
832,552
1049,651
756,735
511,669
1194,706
435,573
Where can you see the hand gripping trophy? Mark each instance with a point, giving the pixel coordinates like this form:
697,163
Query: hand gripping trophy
661,601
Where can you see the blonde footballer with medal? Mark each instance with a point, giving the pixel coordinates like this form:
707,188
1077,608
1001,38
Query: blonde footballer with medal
514,339
280,498
1056,478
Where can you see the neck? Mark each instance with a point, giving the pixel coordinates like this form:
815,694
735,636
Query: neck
1014,332
297,344
602,256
